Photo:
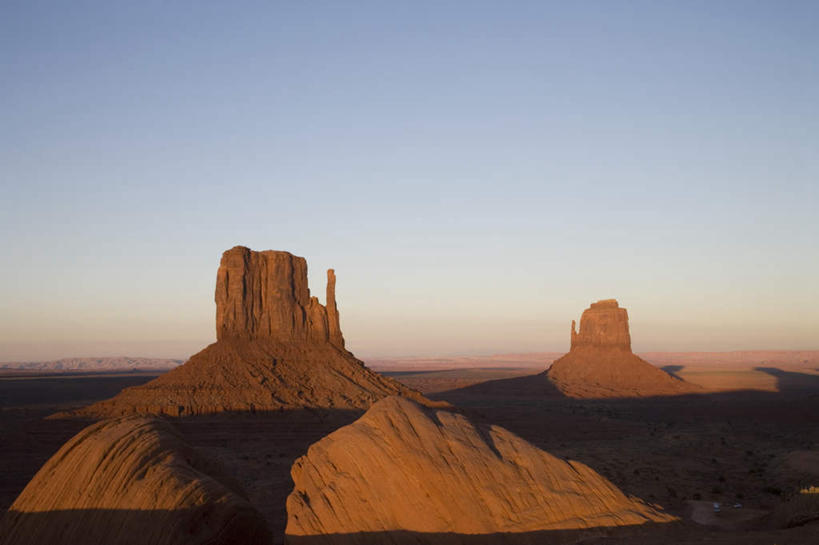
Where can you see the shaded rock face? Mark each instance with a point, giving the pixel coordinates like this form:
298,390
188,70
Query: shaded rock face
603,324
265,295
277,348
406,474
131,481
600,362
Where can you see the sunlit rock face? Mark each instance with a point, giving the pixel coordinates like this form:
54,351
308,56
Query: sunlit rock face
129,481
277,348
407,474
603,325
600,362
264,295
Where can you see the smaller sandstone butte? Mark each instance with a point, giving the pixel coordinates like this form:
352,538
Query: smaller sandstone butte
601,363
603,325
277,348
406,474
130,481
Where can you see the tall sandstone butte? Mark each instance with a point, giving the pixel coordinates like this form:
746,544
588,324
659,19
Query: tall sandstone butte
404,474
265,295
600,362
277,348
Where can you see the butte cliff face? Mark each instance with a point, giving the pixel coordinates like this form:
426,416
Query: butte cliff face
603,325
277,348
264,295
601,363
406,474
129,481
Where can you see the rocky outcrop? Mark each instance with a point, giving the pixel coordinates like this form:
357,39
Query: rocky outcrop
277,348
131,481
601,363
264,295
406,474
264,375
604,325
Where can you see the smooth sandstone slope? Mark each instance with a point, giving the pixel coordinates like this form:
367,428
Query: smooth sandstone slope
277,348
407,474
601,364
131,481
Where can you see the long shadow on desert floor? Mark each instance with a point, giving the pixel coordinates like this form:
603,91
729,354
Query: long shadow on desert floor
112,526
728,447
673,370
790,381
679,533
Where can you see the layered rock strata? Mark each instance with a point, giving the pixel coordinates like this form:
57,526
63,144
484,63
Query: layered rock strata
132,481
406,474
601,363
277,348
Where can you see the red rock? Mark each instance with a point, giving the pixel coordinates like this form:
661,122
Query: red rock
130,481
405,474
601,364
277,348
603,324
264,295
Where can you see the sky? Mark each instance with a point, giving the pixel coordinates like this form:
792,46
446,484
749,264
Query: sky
476,172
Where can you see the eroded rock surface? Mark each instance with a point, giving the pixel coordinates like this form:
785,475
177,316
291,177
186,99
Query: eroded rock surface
263,375
277,348
604,325
265,295
601,363
131,481
407,474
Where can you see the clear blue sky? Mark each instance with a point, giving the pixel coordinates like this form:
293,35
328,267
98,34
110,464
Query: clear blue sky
476,172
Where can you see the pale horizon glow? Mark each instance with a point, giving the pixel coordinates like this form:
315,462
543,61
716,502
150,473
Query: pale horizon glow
477,174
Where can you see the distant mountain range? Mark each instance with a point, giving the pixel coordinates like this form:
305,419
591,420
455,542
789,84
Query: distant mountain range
121,363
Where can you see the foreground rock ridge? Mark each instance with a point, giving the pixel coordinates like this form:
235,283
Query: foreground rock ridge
600,362
132,480
277,348
402,473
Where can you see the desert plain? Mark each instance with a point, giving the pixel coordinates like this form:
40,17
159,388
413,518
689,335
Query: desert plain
750,439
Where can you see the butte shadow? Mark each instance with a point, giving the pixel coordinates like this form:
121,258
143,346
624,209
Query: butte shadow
277,348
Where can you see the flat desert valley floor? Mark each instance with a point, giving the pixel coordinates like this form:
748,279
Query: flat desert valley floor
751,441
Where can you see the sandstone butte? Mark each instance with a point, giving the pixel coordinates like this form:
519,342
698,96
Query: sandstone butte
128,481
407,474
601,364
277,348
